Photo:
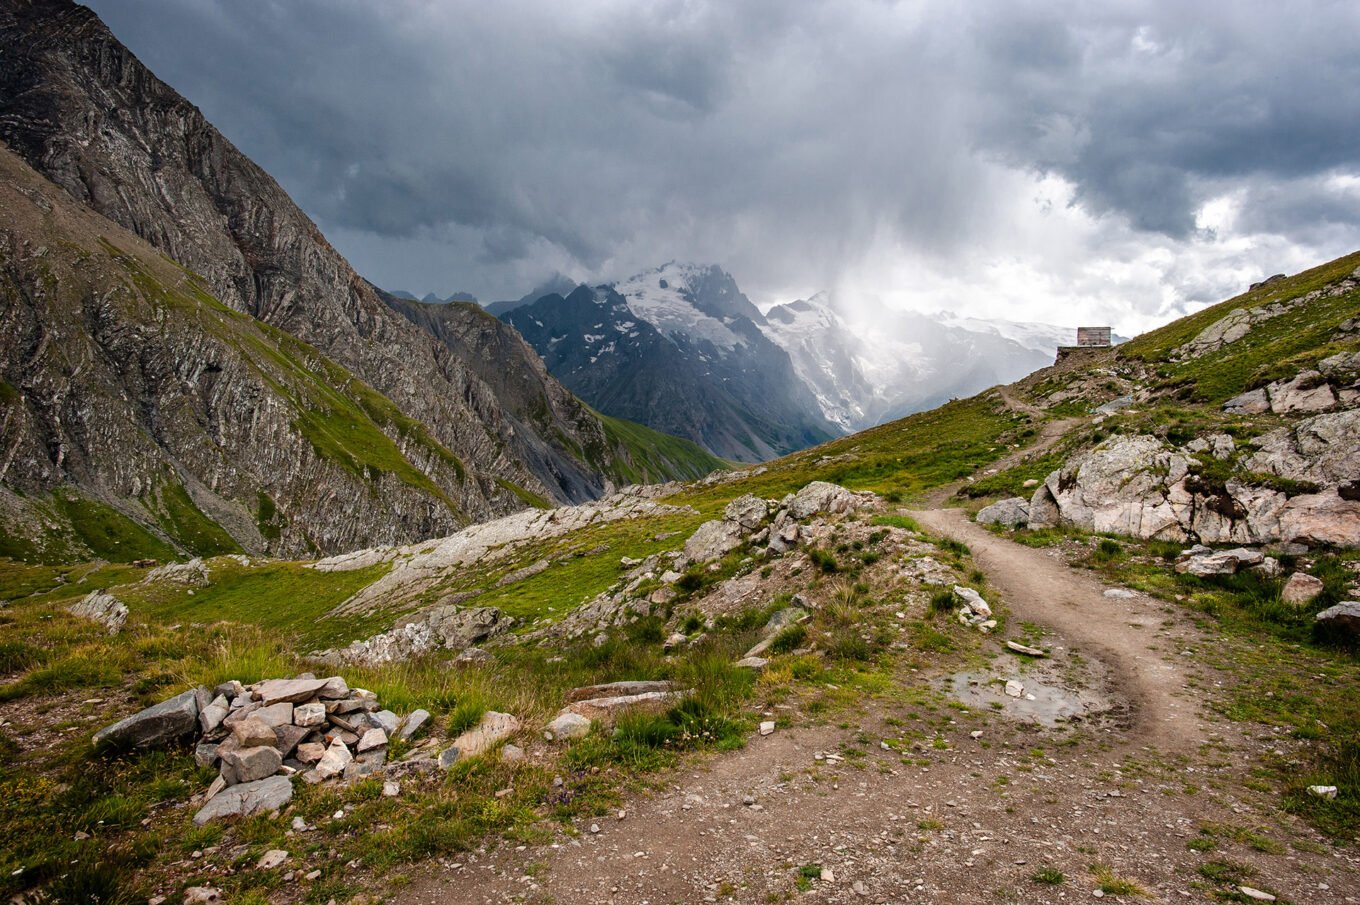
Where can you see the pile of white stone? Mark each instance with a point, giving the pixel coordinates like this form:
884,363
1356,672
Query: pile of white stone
260,735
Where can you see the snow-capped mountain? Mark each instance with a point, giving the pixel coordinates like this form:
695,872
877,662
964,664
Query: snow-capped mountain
865,374
679,349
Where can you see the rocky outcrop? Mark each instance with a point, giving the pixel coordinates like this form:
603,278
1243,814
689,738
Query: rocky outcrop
438,628
1140,486
1239,322
101,607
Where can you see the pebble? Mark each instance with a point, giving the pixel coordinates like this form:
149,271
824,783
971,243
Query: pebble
1255,894
767,727
594,829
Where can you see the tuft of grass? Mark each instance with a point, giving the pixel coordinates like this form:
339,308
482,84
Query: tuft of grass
1049,876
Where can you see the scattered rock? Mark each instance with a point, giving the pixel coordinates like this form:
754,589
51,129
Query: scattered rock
271,859
756,663
1345,616
1255,894
713,540
101,607
494,727
1009,513
974,601
567,725
767,727
391,788
444,626
1025,649
202,895
822,498
606,710
412,725
157,725
1301,588
247,800
1120,594
747,511
616,689
1014,688
1328,792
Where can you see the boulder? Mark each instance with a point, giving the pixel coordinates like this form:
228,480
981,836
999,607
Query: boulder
822,498
101,607
1300,589
748,511
712,540
1223,562
247,800
251,764
567,725
1307,392
371,740
1344,616
193,573
1008,513
494,727
158,725
385,720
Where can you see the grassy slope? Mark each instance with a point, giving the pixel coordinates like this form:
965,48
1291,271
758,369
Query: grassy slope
646,456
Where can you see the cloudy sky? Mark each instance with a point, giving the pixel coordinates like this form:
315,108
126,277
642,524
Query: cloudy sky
1120,162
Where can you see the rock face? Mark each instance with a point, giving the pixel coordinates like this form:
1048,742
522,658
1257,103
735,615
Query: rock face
1139,486
157,725
101,607
1009,513
156,381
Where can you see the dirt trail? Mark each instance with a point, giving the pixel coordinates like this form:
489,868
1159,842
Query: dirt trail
1050,432
1122,633
962,807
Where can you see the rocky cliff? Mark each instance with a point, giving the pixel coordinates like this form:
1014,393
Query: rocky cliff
84,113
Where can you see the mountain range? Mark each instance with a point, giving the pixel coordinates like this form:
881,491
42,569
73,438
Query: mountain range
188,365
683,350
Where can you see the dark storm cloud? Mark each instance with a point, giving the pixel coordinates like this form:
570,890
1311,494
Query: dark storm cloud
478,145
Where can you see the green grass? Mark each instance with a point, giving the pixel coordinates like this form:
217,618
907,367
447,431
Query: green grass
186,524
646,456
277,596
106,533
1275,348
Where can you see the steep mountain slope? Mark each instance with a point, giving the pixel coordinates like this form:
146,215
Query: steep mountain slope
183,423
681,354
82,111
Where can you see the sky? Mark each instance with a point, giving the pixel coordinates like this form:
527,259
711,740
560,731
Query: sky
1115,163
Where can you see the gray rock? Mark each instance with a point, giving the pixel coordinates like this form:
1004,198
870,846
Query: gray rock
334,761
446,627
1225,562
1344,616
205,754
822,498
309,715
565,726
288,737
271,859
512,754
251,733
1252,402
1009,513
473,656
373,738
616,689
210,717
289,691
412,725
101,607
607,710
756,663
782,619
713,540
747,511
274,715
251,764
385,720
493,727
158,725
334,689
1301,588
247,800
